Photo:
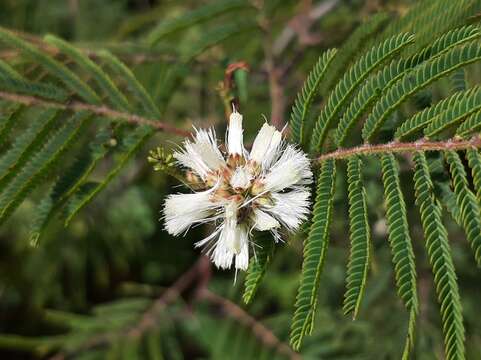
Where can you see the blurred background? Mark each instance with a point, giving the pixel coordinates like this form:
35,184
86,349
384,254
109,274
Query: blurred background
91,290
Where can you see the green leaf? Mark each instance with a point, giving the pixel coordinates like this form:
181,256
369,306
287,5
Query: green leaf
85,195
47,91
40,164
265,246
358,72
400,242
202,14
421,119
468,104
315,249
302,104
416,80
372,90
439,252
133,84
26,144
474,161
117,99
358,41
358,266
56,68
68,183
467,202
469,126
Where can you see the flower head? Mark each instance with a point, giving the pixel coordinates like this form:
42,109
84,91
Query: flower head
263,190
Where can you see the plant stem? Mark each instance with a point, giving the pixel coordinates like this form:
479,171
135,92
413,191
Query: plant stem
402,147
102,111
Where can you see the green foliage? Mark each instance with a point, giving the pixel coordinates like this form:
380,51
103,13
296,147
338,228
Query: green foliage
59,70
359,257
351,80
469,104
258,265
371,91
400,242
188,19
315,249
420,120
416,80
301,107
75,113
467,203
437,247
40,164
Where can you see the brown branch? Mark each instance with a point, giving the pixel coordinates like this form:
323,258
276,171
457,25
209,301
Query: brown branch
261,332
400,147
103,111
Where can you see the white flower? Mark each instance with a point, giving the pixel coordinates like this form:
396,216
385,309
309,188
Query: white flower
202,155
265,190
266,144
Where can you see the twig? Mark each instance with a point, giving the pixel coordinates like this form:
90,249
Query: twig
103,111
400,147
261,332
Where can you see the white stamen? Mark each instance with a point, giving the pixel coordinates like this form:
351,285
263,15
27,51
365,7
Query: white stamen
263,221
183,210
290,208
202,155
291,169
235,138
233,242
241,179
266,144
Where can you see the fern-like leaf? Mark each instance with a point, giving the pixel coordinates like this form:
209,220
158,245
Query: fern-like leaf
25,145
358,266
315,249
85,195
40,164
202,14
300,109
467,202
359,40
117,99
439,252
71,80
469,126
468,105
373,88
416,80
474,161
134,85
351,80
458,81
258,265
423,118
47,91
400,242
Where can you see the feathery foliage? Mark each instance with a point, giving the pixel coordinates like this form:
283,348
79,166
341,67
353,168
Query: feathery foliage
437,247
315,249
75,113
301,107
351,80
258,266
359,257
467,203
